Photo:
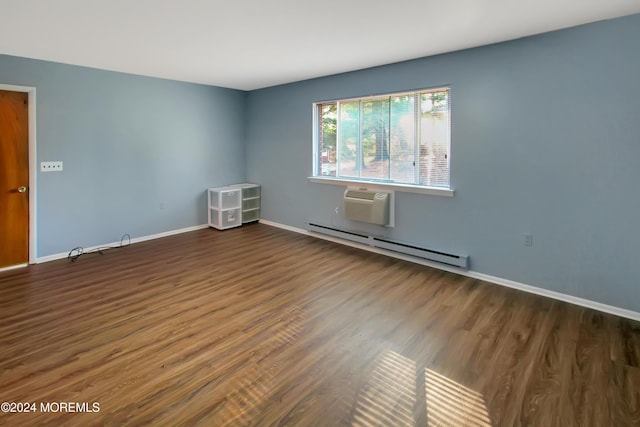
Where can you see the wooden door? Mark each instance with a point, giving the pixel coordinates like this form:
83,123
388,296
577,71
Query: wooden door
14,178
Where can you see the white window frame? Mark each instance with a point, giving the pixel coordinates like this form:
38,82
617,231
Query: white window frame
374,184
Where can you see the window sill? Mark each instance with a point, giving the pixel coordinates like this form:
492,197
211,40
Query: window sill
434,191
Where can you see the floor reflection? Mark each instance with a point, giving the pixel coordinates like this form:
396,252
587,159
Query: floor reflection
255,387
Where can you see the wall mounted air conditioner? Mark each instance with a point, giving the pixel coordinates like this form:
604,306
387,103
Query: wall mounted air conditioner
367,206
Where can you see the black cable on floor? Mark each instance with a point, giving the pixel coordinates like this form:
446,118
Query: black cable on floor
76,252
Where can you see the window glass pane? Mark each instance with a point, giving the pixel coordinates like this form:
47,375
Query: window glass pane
434,139
327,139
375,138
349,141
402,139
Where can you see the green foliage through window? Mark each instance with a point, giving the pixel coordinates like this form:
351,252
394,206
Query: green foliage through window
401,138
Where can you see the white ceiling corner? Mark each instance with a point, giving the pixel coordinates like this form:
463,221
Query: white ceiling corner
254,44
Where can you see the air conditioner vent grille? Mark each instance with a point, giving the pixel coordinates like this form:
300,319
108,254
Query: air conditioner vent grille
359,194
366,206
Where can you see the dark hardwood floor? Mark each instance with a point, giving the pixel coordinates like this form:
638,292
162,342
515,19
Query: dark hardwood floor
260,326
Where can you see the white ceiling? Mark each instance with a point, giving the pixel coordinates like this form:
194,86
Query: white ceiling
250,44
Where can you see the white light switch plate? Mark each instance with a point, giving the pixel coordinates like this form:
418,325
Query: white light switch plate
50,166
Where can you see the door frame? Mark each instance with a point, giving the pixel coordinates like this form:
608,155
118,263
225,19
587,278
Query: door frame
33,168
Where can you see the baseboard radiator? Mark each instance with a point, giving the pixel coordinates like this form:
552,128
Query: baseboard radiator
460,261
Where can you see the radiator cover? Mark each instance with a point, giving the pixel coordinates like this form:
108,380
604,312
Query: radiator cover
461,261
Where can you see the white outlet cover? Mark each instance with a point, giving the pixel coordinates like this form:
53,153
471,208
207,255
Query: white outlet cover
51,166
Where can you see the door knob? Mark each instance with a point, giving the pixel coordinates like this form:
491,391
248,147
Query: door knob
22,189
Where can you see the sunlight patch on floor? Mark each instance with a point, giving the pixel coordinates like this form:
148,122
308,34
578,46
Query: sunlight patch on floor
389,396
452,404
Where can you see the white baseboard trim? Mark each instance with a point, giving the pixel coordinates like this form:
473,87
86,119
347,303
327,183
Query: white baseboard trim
63,255
622,312
13,267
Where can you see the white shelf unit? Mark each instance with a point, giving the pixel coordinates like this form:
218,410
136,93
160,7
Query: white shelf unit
251,196
225,207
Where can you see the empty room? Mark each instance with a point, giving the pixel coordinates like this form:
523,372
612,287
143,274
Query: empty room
409,213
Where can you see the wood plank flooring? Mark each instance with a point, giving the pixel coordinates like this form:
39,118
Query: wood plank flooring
261,326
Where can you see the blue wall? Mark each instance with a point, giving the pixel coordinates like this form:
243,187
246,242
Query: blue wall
545,139
138,152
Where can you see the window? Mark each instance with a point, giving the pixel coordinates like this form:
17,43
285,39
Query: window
398,138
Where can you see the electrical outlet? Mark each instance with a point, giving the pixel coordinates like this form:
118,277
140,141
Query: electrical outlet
50,166
527,239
